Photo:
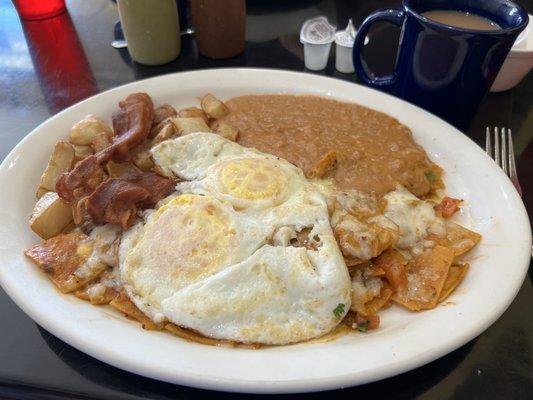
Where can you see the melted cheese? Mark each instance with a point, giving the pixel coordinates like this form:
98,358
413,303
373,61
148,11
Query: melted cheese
415,218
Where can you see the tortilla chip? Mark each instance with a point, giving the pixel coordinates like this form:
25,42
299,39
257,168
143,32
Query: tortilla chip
377,303
61,256
360,241
369,291
455,277
353,262
426,275
97,294
123,303
393,265
459,239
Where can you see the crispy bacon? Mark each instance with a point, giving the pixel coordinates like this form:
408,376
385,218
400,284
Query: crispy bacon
131,124
158,186
116,200
81,180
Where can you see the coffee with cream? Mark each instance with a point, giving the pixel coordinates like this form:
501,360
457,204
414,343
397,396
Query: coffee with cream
462,19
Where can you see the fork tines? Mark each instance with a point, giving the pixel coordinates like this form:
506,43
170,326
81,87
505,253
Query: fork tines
503,153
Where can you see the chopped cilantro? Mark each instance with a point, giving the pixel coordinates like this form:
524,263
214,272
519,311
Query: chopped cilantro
432,176
339,310
363,326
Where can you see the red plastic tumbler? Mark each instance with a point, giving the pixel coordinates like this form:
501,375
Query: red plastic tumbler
39,9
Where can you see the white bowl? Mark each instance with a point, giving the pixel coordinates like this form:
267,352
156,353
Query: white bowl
518,63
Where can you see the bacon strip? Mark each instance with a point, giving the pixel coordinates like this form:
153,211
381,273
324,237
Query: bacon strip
81,180
131,124
117,199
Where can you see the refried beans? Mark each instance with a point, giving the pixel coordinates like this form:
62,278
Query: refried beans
374,151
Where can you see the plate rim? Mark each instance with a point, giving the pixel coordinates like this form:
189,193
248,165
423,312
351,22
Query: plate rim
251,386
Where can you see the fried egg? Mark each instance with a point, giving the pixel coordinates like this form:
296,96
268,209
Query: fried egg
218,256
186,240
255,183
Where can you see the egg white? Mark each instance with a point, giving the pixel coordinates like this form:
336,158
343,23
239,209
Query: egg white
186,240
279,295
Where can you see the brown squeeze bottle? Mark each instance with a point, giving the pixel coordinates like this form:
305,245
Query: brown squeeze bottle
220,27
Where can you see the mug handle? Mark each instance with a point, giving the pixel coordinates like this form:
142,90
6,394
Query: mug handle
384,82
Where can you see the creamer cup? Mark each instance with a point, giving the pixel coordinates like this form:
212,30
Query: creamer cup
344,41
316,35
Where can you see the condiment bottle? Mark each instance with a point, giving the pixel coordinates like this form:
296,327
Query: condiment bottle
151,29
220,27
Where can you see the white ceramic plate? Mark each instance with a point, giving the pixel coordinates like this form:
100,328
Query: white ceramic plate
404,341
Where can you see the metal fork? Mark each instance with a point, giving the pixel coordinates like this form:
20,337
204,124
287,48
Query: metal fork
503,153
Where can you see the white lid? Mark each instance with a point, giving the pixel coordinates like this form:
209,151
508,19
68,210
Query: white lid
317,31
343,38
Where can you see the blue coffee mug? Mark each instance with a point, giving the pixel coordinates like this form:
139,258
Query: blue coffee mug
445,69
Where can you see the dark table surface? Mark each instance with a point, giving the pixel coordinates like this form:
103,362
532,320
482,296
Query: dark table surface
34,85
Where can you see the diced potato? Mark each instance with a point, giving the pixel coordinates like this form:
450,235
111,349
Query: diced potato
41,191
101,141
80,152
84,131
228,132
60,162
184,126
164,133
50,215
158,127
214,107
117,169
69,228
143,160
163,112
193,112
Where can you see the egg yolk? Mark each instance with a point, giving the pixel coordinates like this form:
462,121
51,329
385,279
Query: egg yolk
253,179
